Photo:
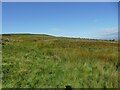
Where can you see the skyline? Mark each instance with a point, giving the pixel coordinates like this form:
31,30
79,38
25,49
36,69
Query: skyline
69,19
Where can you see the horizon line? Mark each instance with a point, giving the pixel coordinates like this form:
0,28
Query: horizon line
57,36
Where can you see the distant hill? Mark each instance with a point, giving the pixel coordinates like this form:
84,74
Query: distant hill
27,34
103,37
111,36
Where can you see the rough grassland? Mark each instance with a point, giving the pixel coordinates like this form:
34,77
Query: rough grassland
40,61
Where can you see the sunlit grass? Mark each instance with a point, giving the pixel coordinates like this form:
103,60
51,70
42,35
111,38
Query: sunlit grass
40,62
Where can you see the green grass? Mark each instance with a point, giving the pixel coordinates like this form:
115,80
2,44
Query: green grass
40,61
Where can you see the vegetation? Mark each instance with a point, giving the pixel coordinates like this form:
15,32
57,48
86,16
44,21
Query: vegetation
40,61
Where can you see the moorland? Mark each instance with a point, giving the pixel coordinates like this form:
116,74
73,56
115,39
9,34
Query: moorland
40,61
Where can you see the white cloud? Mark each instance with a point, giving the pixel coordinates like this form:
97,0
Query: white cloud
106,33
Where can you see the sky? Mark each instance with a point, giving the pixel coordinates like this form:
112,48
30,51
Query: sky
0,18
68,19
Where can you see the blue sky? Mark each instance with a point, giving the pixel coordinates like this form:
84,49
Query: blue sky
0,17
83,19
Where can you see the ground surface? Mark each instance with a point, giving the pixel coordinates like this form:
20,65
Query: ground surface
42,61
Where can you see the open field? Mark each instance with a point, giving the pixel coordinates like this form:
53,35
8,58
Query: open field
42,61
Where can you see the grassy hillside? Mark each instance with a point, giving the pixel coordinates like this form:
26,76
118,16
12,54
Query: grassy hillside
42,61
